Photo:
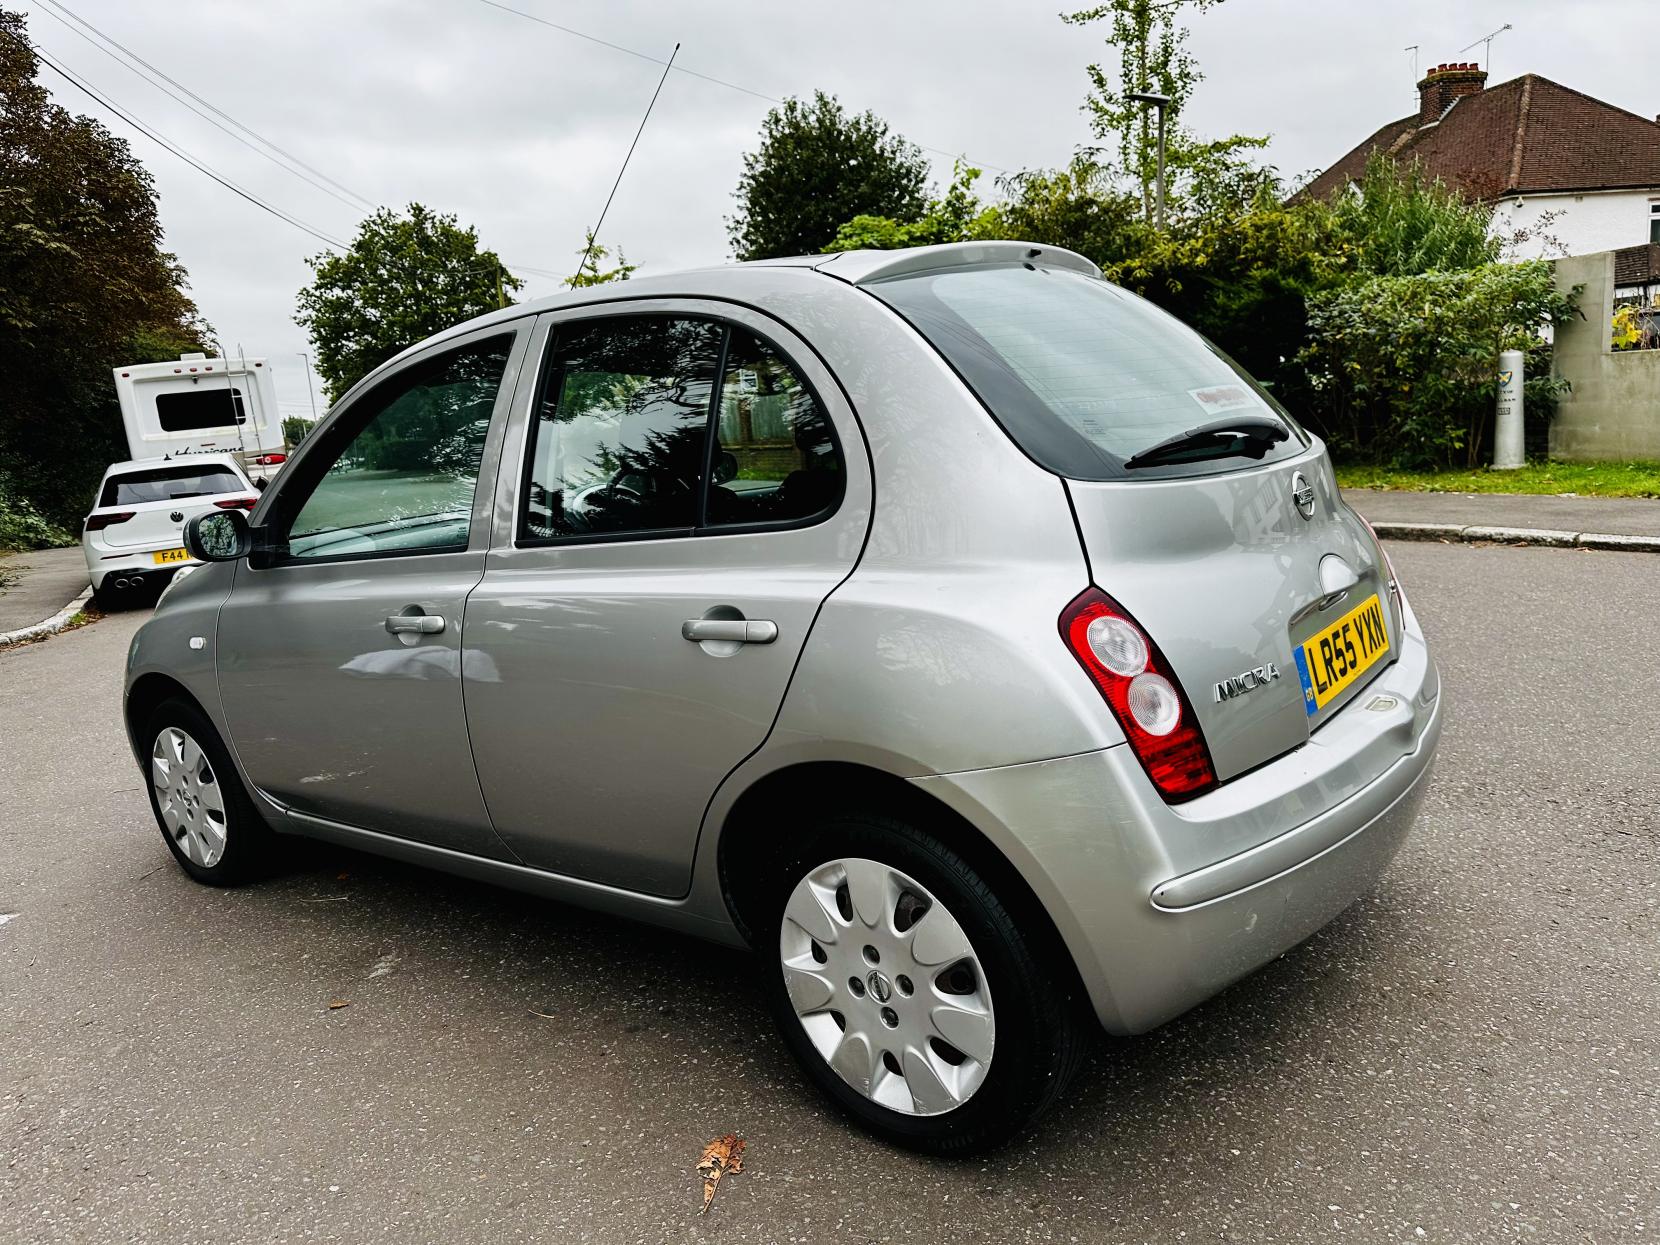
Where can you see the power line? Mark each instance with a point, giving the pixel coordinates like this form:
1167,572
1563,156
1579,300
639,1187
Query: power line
217,111
167,143
313,176
646,56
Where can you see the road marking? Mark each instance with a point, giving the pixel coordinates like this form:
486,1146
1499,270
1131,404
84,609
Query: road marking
7,916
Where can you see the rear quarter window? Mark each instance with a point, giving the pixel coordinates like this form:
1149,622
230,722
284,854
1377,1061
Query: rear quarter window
1081,374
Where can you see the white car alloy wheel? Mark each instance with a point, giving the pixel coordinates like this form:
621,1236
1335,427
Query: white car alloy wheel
188,796
887,986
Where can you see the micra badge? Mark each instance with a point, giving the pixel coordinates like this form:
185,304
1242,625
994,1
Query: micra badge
1261,676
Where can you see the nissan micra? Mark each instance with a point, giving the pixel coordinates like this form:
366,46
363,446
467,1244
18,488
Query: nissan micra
959,631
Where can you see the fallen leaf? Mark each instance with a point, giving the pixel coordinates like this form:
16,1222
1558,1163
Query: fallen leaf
336,1004
342,876
722,1157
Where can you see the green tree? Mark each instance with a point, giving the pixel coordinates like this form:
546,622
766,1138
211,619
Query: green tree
1398,221
1080,207
1405,364
1202,176
84,288
956,216
296,428
592,271
404,279
816,169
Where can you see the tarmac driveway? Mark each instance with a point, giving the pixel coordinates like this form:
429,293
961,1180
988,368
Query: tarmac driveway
1468,1054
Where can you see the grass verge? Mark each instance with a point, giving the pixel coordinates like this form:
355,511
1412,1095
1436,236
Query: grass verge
1639,479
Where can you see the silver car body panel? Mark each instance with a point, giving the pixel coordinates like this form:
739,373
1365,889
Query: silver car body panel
334,716
925,613
577,668
1224,573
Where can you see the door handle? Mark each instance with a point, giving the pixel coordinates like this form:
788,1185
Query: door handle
734,630
415,624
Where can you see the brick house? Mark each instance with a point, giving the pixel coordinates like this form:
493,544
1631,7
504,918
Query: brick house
1531,147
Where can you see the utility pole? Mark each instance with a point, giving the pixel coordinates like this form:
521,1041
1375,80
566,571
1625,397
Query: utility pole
306,359
1162,103
501,295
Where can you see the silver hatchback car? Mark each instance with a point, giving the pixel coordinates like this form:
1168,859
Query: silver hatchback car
959,631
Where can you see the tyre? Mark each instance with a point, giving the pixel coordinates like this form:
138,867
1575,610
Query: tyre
107,598
211,826
909,994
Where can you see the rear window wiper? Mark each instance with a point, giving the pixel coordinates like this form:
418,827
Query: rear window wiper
1250,436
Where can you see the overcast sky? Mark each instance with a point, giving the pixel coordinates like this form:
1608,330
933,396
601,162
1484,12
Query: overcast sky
519,128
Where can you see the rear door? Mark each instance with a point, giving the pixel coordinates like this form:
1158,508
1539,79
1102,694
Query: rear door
340,649
1231,552
689,489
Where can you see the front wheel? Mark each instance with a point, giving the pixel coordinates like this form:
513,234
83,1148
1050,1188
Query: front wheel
207,819
910,995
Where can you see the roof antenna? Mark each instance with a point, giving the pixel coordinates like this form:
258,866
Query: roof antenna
1487,51
593,235
1413,48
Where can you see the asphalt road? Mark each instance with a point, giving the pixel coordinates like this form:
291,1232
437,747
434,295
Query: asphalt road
1470,1054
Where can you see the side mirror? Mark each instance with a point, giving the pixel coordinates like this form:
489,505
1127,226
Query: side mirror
219,536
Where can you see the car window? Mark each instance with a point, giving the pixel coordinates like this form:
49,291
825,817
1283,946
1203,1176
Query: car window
777,459
1081,374
170,484
621,434
406,467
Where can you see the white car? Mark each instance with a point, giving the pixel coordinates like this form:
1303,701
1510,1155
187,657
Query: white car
133,538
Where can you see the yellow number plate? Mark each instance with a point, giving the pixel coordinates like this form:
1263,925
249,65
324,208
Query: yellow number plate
170,555
1332,660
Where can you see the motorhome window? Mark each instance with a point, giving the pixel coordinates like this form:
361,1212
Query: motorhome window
193,409
169,484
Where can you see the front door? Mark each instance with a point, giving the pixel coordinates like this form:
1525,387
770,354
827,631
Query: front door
340,648
693,488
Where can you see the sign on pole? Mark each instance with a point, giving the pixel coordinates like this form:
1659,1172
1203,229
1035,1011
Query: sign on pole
1509,450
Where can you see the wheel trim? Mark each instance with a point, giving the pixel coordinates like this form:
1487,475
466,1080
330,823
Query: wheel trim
921,1052
188,797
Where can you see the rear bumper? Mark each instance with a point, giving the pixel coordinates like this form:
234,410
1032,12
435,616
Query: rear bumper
119,561
1160,907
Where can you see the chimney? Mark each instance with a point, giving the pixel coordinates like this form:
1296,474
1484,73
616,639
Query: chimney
1444,84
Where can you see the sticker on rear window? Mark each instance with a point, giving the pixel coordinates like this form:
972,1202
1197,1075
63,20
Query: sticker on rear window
1220,399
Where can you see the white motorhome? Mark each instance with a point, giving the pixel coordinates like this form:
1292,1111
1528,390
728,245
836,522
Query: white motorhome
199,405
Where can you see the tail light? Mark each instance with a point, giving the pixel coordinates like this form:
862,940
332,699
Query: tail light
1140,688
271,460
237,503
98,522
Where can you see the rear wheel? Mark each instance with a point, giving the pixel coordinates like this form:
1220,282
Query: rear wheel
909,994
210,825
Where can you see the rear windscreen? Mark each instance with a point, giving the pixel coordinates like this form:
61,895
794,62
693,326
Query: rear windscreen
1083,375
190,410
169,484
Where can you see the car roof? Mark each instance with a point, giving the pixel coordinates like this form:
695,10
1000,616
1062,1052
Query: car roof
172,460
852,267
